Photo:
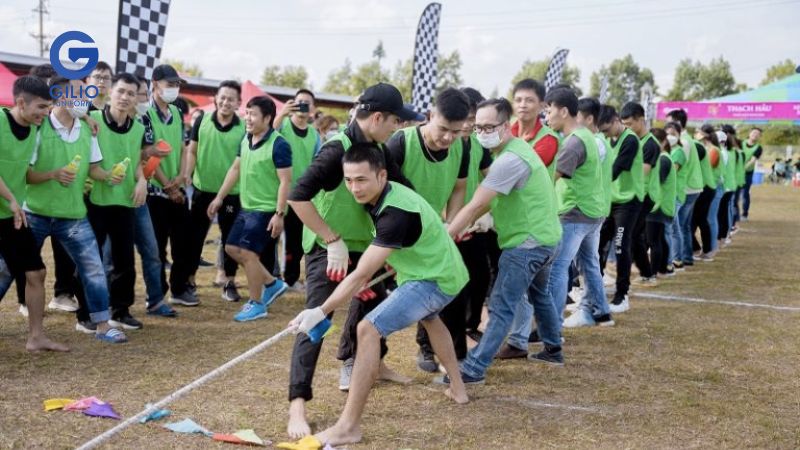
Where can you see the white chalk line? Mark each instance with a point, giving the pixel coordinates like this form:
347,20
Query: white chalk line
535,404
679,298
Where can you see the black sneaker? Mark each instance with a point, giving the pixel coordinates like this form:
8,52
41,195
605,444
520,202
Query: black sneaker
86,326
604,321
534,337
125,321
475,335
204,263
192,287
229,292
426,362
444,379
552,356
187,298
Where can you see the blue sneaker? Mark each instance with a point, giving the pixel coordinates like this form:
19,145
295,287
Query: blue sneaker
269,294
251,310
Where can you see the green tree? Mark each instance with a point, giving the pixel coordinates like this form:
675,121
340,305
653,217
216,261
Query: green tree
347,81
625,80
779,71
538,69
184,68
695,81
448,73
379,53
287,76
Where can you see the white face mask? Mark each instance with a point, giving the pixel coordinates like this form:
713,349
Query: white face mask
330,134
673,140
141,108
170,94
490,140
79,110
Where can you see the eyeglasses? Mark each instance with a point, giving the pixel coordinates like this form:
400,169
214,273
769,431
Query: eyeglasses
486,128
101,77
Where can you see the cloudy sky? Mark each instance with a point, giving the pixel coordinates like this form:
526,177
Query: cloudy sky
239,38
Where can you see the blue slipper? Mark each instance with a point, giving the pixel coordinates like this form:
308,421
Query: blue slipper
112,336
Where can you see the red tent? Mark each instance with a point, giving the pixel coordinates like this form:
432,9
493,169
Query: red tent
7,79
249,90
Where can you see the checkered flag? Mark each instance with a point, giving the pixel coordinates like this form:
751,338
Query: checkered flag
426,56
556,68
604,94
142,25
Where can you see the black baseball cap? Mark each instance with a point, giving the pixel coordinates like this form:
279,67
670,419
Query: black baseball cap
166,72
384,97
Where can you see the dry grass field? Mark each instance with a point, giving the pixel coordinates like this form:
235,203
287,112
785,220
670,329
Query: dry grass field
671,374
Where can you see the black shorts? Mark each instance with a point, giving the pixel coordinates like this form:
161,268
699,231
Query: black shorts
18,248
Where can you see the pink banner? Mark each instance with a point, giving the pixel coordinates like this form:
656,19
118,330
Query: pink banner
733,111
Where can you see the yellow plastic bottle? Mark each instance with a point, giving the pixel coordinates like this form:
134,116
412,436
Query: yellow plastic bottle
120,168
74,165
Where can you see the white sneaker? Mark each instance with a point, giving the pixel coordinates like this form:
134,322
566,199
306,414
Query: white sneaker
728,241
608,280
620,308
579,318
63,302
576,293
572,307
345,373
646,281
298,287
23,310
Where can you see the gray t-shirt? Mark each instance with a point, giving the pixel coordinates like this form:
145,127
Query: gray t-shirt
509,172
572,156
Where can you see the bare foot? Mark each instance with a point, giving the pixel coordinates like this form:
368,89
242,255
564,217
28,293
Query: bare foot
337,435
42,343
460,398
298,426
387,374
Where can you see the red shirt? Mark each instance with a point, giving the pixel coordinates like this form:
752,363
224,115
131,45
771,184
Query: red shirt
546,148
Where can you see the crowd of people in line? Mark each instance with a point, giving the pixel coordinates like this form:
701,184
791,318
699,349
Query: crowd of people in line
517,205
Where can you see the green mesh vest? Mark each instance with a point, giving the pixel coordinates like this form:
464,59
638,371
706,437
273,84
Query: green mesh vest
115,148
679,157
694,181
302,148
581,190
15,156
342,213
546,131
729,172
706,170
216,152
663,194
434,181
530,211
630,183
749,151
434,257
173,135
50,198
258,177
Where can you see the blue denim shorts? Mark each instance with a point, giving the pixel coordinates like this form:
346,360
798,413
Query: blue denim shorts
249,231
408,304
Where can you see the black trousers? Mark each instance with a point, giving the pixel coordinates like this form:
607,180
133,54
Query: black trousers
200,223
618,229
171,223
306,353
659,248
640,243
700,220
293,228
475,253
116,223
723,216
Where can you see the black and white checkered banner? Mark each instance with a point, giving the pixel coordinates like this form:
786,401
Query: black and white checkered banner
556,68
142,25
426,56
604,94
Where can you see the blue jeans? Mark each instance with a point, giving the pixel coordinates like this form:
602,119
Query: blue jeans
713,219
5,278
408,304
674,238
579,240
520,270
748,183
77,238
685,252
145,240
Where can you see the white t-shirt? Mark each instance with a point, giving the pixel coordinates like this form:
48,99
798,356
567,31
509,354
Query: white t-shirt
69,135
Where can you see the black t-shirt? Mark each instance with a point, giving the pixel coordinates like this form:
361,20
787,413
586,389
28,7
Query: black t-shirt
627,153
701,151
666,168
650,152
20,132
195,134
486,155
396,146
300,133
325,172
758,151
394,227
147,139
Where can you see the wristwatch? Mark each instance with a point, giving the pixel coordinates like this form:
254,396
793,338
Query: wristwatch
280,213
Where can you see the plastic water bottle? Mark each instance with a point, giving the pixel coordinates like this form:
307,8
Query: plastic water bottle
120,168
74,165
316,334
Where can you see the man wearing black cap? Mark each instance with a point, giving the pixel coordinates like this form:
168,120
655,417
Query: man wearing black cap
166,197
337,230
